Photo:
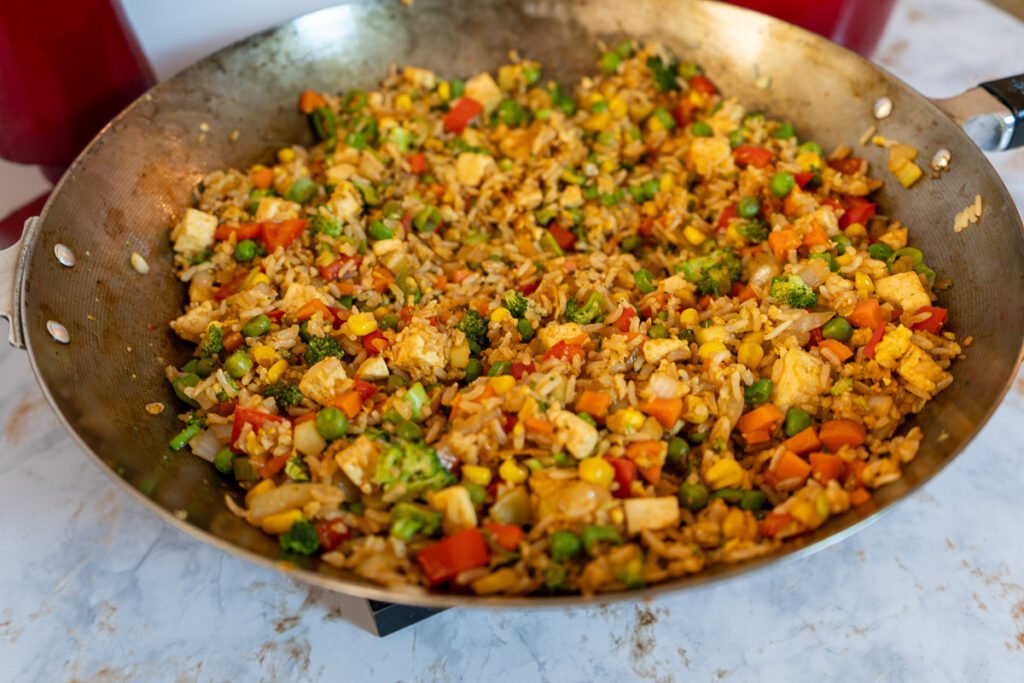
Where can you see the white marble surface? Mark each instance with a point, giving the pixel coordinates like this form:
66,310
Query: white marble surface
97,589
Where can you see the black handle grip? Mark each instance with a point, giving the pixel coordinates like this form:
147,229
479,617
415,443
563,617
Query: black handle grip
1010,91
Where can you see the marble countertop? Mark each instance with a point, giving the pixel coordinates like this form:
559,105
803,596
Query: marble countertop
98,589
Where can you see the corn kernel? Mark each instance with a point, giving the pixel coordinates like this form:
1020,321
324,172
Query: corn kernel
698,98
808,161
821,506
258,490
690,317
694,236
499,314
608,166
750,354
695,410
286,155
714,333
324,258
597,471
863,283
362,324
595,98
803,513
650,208
598,122
259,279
617,515
667,182
444,90
475,474
249,279
282,522
711,348
735,524
726,473
655,125
618,107
263,355
625,421
403,102
502,384
276,370
513,472
459,357
844,260
856,231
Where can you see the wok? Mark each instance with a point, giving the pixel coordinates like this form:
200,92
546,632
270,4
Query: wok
96,331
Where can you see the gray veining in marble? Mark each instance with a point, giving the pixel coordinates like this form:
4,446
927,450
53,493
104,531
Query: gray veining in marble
96,589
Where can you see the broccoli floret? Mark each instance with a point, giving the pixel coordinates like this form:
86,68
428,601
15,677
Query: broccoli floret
301,539
664,74
713,273
754,232
319,348
408,519
285,394
327,225
586,313
516,303
474,326
407,469
213,344
793,291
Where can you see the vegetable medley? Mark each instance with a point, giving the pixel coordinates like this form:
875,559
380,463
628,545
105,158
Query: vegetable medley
501,336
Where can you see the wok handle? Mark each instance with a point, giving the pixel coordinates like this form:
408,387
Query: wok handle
992,114
12,269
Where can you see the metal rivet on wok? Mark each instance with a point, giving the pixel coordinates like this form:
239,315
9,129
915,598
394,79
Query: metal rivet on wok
58,332
64,255
882,108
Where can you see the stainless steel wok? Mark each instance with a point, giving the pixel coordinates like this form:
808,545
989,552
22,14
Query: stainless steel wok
97,332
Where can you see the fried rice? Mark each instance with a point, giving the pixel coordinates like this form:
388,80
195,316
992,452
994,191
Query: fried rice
500,337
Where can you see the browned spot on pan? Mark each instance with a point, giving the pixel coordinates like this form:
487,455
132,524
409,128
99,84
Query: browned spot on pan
17,423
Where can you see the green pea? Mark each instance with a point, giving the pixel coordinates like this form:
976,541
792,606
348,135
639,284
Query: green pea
245,251
782,183
555,577
203,367
499,368
797,420
700,129
379,231
677,449
644,280
784,132
599,107
812,147
564,545
748,207
526,331
474,369
302,191
562,459
752,500
332,423
409,431
664,118
631,242
610,62
224,460
256,326
880,251
693,496
837,328
736,138
658,331
238,364
841,242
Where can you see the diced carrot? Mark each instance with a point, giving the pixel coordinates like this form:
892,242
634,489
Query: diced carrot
263,178
841,350
594,403
758,437
803,442
242,231
310,100
854,470
460,274
273,466
349,403
233,341
539,426
310,309
311,415
867,313
860,496
816,237
826,467
782,241
766,417
838,433
652,474
746,293
792,466
665,410
649,457
774,523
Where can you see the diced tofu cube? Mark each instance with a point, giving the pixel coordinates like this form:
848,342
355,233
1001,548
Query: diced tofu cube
324,381
470,168
650,514
456,505
346,202
571,197
710,156
390,252
920,370
194,232
896,239
800,382
892,347
420,349
193,324
904,290
373,369
575,434
359,463
484,90
308,440
655,350
297,296
275,210
420,78
570,333
339,173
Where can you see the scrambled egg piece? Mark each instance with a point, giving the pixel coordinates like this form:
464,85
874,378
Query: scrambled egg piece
655,350
575,434
420,349
665,383
904,290
570,333
339,173
194,232
297,296
373,369
710,156
346,203
920,370
359,463
323,381
454,502
484,90
471,167
892,347
193,324
390,252
643,514
275,209
800,380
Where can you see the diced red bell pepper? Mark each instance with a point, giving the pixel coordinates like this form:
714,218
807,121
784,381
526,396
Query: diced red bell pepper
247,416
565,352
683,112
464,111
365,389
625,474
459,552
860,211
529,288
703,84
273,466
869,348
847,166
331,270
505,535
375,343
774,523
624,320
276,316
748,155
727,214
418,162
934,322
332,533
282,234
508,422
243,231
565,239
233,286
815,337
802,179
518,370
646,228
